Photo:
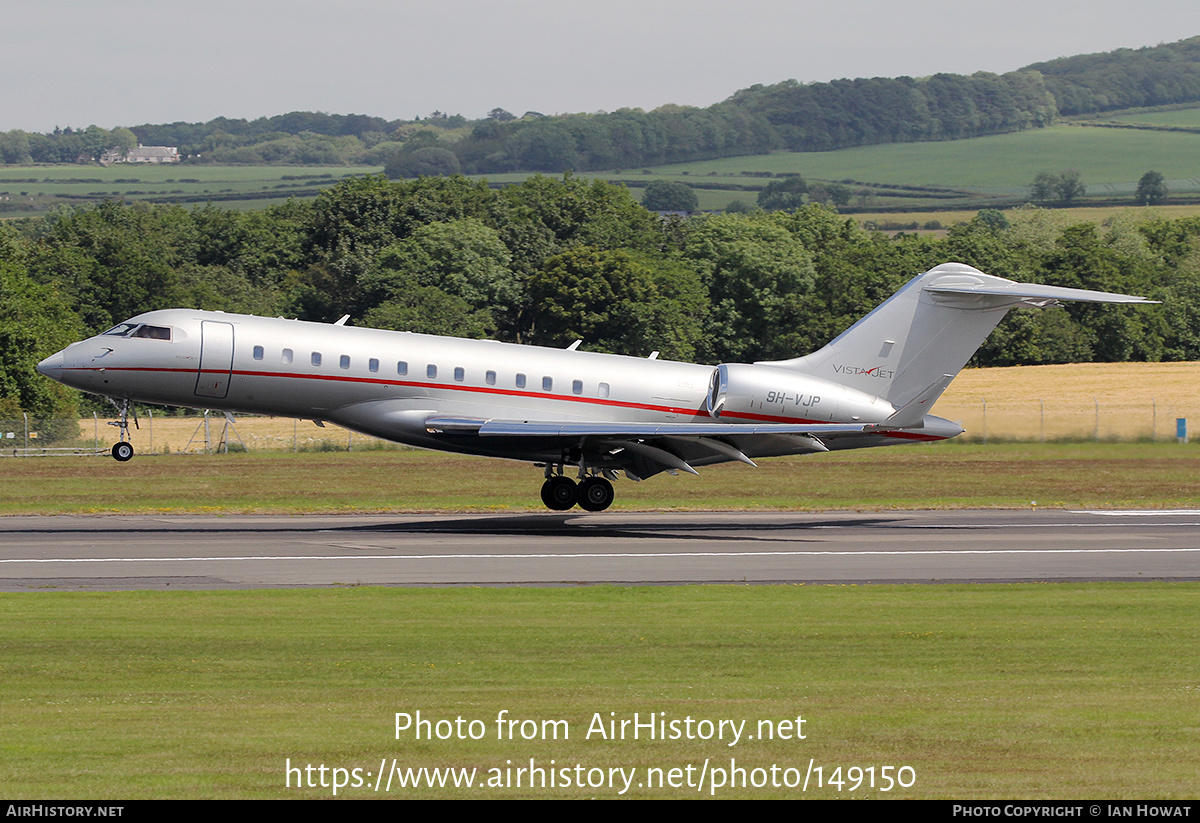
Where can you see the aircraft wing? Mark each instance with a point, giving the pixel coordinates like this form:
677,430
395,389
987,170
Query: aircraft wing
550,428
644,449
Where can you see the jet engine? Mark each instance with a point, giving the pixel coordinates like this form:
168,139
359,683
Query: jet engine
773,394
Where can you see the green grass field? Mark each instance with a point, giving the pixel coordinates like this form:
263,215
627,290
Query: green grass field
1180,117
999,163
1111,161
1017,691
979,691
980,170
30,190
949,475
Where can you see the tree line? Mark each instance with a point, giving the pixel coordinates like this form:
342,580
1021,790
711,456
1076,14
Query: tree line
787,115
553,260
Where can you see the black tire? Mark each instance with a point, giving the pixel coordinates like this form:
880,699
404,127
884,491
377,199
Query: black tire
122,452
595,494
559,493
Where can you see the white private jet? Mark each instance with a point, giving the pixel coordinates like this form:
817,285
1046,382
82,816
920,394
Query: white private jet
558,408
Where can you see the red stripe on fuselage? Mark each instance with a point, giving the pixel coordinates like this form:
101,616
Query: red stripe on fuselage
598,401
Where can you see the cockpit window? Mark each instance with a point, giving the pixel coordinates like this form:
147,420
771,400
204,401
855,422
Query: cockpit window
121,330
154,332
140,330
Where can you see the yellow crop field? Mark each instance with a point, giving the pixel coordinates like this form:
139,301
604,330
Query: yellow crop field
1121,401
174,435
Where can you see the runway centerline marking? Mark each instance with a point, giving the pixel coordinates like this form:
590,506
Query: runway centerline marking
1138,512
589,555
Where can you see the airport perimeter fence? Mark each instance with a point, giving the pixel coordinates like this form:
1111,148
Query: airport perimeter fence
1033,420
158,434
1040,420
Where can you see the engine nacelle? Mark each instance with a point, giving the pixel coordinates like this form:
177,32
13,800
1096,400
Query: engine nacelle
777,395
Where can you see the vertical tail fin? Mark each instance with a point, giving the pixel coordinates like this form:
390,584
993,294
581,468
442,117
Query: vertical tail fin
928,330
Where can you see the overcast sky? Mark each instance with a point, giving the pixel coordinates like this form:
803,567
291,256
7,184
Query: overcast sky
128,62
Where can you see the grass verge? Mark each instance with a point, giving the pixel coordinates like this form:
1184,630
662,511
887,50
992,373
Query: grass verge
949,475
1017,691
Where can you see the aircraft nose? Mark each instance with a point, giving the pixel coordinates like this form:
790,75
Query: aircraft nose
52,366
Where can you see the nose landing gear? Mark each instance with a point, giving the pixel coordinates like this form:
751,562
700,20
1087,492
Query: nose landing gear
123,450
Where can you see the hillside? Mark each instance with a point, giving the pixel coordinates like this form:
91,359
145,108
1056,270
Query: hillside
787,115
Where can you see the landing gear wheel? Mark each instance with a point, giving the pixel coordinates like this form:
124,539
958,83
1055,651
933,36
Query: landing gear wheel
559,493
595,494
122,451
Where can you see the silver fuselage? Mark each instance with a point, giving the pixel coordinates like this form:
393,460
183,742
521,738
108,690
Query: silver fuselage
388,384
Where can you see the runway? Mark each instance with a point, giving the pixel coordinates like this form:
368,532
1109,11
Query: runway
204,552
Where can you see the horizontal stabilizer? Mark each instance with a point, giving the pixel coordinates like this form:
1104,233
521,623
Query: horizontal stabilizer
1031,294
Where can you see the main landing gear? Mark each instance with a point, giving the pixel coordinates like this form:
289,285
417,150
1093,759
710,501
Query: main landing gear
560,493
123,450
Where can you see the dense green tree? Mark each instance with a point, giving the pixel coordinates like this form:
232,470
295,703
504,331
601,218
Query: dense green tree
994,219
550,260
669,195
1029,337
1044,187
1151,189
618,301
599,296
757,274
422,162
123,140
1070,186
739,207
14,148
429,310
584,212
1083,260
1181,311
783,195
462,258
113,260
1066,187
835,194
1125,78
35,322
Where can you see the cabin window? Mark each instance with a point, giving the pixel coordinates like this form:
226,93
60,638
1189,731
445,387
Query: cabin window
287,355
520,381
490,378
402,368
431,371
316,358
459,374
602,390
373,364
547,384
344,361
258,352
577,387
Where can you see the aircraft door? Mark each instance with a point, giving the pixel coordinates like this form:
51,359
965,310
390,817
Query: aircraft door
216,359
